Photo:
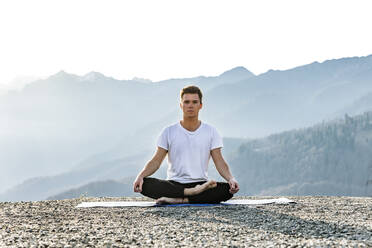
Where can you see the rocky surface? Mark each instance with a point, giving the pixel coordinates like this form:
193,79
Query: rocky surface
312,222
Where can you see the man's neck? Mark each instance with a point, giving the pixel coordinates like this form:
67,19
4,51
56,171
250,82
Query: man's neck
190,124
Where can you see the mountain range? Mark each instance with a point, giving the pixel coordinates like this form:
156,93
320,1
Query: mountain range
68,123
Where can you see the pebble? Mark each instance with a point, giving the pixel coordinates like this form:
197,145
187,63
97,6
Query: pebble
312,222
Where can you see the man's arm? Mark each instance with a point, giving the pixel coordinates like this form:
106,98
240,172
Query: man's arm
224,170
150,168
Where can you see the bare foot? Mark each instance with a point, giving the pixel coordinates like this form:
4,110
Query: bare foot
168,200
200,188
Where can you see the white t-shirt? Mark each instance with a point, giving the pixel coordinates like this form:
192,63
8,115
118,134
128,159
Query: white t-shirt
189,152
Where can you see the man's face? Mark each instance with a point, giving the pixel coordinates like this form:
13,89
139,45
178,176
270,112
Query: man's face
190,105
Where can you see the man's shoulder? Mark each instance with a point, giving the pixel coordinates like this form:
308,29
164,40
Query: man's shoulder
208,126
170,127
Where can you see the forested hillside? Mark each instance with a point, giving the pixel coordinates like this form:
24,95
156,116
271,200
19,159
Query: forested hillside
333,158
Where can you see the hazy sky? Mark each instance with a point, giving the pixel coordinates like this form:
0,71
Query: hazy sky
172,39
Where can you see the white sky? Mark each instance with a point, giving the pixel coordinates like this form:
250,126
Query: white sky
172,39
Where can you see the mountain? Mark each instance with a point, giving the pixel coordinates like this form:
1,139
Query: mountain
108,188
94,76
331,158
39,188
236,74
17,83
282,100
363,104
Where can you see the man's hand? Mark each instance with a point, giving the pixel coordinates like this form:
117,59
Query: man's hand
234,186
137,185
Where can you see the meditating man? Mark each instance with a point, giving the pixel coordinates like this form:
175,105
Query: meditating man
189,143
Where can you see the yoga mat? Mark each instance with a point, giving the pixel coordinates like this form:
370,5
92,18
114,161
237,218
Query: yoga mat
153,204
258,202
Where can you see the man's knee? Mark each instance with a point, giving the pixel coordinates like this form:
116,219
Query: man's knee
148,186
224,191
146,182
156,188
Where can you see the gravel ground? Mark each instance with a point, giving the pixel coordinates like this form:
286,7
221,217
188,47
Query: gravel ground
312,222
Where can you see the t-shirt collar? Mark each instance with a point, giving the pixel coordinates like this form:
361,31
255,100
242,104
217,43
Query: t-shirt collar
190,132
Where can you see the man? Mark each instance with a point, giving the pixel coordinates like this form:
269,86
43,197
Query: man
189,143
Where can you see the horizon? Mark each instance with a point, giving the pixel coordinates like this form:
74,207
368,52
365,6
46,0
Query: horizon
21,82
163,40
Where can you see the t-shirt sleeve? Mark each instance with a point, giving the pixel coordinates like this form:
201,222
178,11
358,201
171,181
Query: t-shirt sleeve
216,140
163,139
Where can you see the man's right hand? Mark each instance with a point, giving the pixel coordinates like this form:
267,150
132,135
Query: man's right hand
137,185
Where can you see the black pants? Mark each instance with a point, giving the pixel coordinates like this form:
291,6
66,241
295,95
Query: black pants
156,188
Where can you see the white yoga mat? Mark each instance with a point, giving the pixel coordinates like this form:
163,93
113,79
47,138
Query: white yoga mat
152,204
259,202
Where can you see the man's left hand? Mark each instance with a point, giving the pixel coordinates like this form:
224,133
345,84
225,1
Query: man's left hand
234,186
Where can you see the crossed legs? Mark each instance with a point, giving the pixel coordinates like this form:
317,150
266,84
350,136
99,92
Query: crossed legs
188,192
167,191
